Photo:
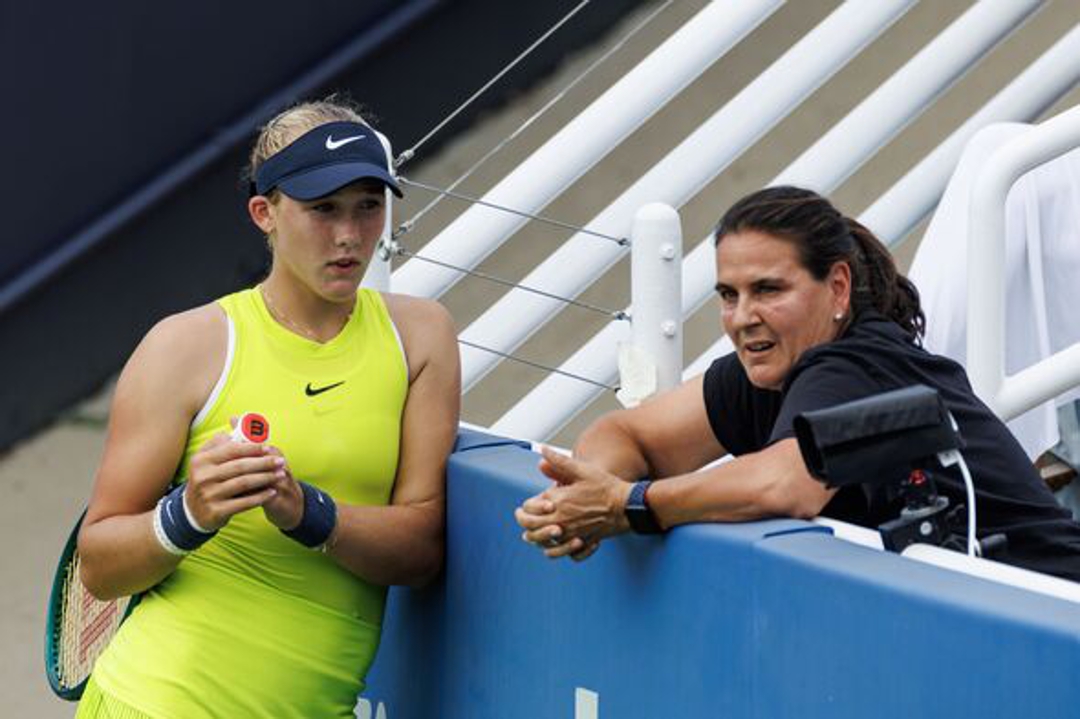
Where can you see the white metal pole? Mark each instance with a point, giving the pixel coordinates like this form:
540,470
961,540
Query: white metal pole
583,142
544,410
899,210
377,275
898,100
896,212
652,362
705,153
1010,396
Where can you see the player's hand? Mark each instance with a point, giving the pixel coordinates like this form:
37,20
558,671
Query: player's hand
571,518
286,508
228,477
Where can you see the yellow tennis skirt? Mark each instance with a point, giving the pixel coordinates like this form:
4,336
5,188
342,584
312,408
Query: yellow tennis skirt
96,704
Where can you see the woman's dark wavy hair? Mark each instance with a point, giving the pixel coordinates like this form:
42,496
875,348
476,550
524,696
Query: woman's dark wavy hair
823,237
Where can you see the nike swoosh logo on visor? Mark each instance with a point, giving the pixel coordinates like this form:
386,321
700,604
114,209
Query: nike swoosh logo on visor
332,144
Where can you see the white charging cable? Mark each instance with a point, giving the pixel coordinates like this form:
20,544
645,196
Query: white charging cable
948,459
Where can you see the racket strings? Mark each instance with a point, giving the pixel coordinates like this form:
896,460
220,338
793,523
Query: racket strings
86,627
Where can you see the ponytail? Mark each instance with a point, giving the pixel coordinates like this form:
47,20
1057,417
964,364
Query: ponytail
881,286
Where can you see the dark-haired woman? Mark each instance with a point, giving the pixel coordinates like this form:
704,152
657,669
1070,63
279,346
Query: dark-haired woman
818,316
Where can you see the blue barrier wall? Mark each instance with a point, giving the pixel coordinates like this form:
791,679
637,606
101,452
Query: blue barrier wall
764,619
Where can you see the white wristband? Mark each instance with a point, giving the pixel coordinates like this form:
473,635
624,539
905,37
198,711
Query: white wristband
191,517
163,539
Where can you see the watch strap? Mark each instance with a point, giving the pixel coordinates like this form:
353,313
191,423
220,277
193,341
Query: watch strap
638,513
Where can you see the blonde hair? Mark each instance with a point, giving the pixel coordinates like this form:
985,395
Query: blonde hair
293,122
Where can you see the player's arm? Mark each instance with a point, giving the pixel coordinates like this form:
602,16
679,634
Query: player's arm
665,436
163,385
773,482
588,502
402,543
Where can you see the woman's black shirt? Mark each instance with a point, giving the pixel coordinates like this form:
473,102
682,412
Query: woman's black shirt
876,355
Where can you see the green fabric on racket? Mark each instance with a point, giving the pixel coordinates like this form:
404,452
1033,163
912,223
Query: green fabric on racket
79,626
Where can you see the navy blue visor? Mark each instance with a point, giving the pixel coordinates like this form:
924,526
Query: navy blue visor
322,161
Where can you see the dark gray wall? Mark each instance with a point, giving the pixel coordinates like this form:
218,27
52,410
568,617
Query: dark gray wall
99,96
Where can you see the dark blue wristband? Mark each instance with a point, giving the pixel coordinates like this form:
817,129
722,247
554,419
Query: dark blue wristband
319,520
176,526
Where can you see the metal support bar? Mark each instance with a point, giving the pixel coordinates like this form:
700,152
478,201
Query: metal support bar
906,203
1010,396
898,100
700,157
583,142
377,275
903,206
652,362
892,216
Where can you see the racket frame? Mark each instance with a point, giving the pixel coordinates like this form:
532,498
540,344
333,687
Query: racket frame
54,619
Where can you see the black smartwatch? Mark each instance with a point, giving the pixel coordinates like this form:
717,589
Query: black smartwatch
641,518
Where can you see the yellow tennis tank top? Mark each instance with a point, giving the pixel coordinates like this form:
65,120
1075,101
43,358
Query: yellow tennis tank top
253,624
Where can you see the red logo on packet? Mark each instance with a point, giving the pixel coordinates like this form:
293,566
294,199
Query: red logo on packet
252,427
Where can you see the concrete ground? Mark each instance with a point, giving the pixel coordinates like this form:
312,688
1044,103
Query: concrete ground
47,478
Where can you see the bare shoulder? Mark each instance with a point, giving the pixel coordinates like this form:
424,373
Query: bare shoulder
408,312
162,387
427,330
184,352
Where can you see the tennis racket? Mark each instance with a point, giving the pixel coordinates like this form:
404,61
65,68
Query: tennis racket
79,626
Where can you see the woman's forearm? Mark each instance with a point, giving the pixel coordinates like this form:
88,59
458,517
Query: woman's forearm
120,555
608,445
770,483
395,544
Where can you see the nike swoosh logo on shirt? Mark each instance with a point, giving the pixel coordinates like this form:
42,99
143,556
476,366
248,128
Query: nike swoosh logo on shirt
332,144
311,391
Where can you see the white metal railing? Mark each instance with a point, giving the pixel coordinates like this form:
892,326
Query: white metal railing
377,276
652,361
583,142
904,205
896,212
556,399
693,163
1010,396
900,99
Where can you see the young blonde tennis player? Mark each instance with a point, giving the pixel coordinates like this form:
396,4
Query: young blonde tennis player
265,565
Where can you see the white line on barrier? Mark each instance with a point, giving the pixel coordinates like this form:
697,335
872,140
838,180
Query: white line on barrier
586,704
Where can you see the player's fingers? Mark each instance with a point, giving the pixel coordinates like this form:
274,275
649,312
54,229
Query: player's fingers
565,549
583,554
246,484
216,440
224,471
222,482
234,506
207,461
545,536
530,521
251,465
540,504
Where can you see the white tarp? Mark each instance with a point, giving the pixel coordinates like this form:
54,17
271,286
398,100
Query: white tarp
1042,269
